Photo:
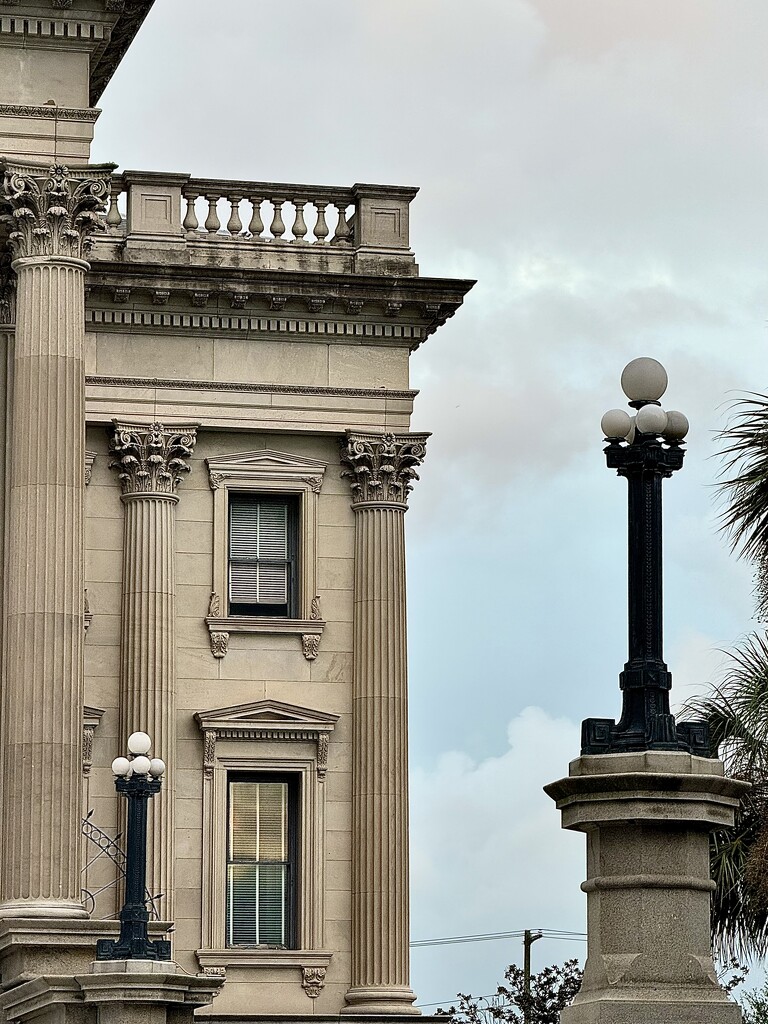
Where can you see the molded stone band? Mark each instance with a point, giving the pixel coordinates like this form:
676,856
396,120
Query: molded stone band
605,882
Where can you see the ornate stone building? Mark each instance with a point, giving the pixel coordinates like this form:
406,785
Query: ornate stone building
207,465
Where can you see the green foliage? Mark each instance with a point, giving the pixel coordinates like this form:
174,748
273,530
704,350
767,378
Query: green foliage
736,711
551,991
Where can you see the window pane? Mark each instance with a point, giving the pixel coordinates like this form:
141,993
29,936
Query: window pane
243,528
272,903
273,530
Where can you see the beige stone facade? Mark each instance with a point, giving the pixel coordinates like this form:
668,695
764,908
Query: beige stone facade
173,344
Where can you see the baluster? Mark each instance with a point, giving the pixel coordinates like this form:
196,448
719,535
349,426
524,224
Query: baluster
321,226
277,227
190,217
235,225
342,228
212,222
299,224
114,217
257,225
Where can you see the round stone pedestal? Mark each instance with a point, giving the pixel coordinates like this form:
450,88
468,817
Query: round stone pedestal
647,817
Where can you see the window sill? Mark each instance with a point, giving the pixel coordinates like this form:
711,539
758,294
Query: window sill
265,957
309,630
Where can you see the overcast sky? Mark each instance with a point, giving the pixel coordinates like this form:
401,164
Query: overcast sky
599,167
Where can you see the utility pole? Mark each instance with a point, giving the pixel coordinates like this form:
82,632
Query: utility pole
529,938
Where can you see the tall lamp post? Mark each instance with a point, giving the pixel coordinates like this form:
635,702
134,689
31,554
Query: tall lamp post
645,449
138,778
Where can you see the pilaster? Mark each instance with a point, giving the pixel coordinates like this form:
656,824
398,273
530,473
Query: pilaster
52,214
150,460
381,469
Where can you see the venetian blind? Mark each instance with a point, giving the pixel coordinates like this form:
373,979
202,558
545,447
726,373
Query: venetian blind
258,869
258,551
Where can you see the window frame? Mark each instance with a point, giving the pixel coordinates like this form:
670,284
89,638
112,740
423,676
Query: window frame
293,551
293,782
265,738
272,474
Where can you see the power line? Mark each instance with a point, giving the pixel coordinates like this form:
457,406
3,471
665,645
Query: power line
547,933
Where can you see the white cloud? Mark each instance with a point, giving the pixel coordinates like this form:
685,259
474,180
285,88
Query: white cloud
488,854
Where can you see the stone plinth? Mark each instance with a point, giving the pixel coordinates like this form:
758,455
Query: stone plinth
113,992
647,817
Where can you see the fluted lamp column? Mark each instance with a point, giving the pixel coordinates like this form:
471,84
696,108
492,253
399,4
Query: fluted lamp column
150,460
381,469
51,213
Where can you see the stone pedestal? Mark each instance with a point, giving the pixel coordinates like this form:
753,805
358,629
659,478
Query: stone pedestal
42,666
647,817
381,469
150,460
112,992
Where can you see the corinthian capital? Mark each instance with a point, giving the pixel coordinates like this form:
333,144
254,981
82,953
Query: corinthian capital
381,467
53,211
151,457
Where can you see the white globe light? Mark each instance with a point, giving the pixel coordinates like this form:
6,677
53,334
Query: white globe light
616,424
156,767
651,419
139,743
677,426
644,380
121,766
140,765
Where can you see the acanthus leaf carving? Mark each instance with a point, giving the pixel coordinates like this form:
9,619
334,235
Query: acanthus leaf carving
313,980
315,614
214,606
382,467
323,743
310,644
54,212
219,644
209,753
151,457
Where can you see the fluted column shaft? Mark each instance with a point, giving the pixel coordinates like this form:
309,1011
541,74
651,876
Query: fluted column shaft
150,460
148,666
381,468
43,651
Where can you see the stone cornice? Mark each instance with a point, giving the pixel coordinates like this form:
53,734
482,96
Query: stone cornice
53,211
130,16
280,389
382,467
51,113
150,457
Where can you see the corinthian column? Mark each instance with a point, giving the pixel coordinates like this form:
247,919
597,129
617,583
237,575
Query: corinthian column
150,460
51,215
381,468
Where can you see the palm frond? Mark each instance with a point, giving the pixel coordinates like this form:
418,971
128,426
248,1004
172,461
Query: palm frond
744,480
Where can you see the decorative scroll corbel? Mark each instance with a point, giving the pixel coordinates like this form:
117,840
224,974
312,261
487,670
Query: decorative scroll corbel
313,980
322,756
209,753
310,645
219,644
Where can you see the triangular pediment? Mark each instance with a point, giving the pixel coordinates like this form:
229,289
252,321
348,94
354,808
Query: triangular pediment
266,714
268,461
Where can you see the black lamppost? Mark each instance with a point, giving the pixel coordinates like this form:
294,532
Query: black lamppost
644,449
138,779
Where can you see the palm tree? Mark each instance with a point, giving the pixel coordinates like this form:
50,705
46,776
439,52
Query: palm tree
736,709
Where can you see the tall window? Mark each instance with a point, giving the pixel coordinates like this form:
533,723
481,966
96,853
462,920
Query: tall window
263,549
261,860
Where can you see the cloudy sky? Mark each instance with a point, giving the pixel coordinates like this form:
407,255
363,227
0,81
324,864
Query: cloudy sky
599,167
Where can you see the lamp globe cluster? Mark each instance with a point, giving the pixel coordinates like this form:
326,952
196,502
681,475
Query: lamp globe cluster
139,763
644,381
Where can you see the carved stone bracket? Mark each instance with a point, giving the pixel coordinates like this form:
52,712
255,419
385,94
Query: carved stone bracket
151,457
91,719
313,981
54,212
87,613
382,466
219,643
310,645
209,753
90,458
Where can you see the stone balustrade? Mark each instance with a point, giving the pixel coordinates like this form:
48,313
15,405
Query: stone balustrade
248,219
